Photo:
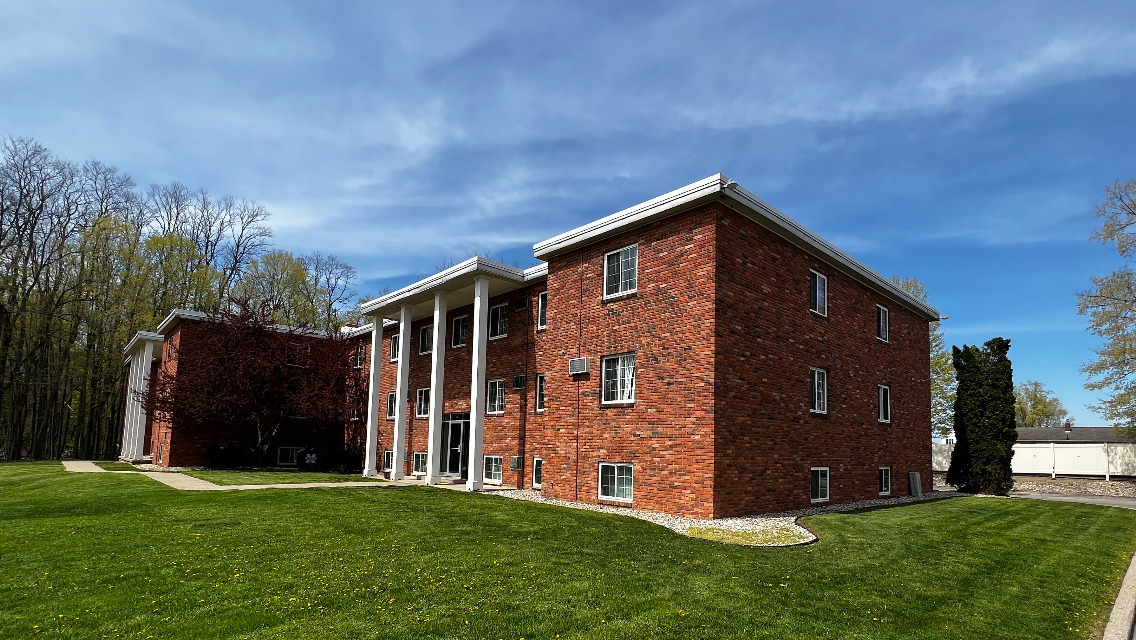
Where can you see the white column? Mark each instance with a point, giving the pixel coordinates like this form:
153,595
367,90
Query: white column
374,397
138,383
1107,466
140,426
402,389
477,384
437,391
131,405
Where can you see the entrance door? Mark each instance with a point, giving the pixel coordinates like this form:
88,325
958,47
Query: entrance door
455,435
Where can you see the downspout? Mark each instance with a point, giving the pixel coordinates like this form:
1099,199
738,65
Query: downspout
525,395
579,353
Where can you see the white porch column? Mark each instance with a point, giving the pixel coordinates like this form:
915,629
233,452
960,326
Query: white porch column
402,389
477,384
374,397
138,383
437,392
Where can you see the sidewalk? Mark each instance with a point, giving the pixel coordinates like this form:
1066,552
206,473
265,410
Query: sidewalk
1107,501
185,482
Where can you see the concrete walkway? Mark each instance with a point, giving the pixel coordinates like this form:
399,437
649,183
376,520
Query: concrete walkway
189,483
1106,501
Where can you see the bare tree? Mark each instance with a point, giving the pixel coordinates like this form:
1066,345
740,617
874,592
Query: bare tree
330,287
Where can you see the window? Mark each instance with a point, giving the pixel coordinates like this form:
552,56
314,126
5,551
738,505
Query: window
519,382
394,348
818,293
616,481
461,328
819,484
422,404
169,349
538,472
882,323
885,481
621,271
354,402
360,356
885,403
286,456
493,467
426,340
390,405
419,462
619,378
161,450
818,390
388,460
495,399
498,321
540,392
542,310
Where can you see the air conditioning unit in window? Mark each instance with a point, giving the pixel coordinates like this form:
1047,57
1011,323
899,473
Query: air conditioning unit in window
577,366
518,382
515,463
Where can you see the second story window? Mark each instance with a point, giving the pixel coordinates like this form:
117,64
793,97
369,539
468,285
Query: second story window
818,390
542,310
818,293
426,339
461,328
619,378
498,321
884,403
394,348
621,271
360,356
391,404
882,323
540,392
495,399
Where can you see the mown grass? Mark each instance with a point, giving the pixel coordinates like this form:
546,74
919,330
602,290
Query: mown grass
122,556
114,465
273,476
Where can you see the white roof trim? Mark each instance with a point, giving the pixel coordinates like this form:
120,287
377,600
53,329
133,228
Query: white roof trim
537,272
358,331
475,264
181,314
142,336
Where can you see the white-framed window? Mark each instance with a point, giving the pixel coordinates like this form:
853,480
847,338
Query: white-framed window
461,330
493,467
882,322
619,378
616,481
819,484
354,402
621,271
419,462
161,451
499,321
885,403
542,310
360,356
388,460
426,340
394,348
818,293
391,399
818,390
286,456
538,473
539,392
885,481
422,403
495,398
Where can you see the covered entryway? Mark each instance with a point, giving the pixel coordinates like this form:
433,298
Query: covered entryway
455,442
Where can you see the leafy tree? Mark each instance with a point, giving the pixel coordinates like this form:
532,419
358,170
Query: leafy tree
1036,406
278,284
942,372
984,418
1111,307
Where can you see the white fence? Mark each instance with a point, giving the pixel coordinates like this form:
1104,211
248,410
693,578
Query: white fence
1059,458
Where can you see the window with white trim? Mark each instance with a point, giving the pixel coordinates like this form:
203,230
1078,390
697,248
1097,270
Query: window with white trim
818,293
818,390
616,481
539,392
461,329
619,378
885,481
882,322
498,321
621,271
542,310
419,462
394,348
538,473
286,456
422,403
819,484
426,340
493,468
391,399
360,356
885,403
495,398
388,460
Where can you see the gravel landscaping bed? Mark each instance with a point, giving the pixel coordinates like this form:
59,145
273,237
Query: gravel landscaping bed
1082,486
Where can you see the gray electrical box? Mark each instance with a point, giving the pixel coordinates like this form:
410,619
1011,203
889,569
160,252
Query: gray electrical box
915,484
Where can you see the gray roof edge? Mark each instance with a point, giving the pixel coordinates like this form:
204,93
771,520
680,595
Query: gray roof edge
475,264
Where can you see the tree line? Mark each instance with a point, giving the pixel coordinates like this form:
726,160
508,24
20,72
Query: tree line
89,257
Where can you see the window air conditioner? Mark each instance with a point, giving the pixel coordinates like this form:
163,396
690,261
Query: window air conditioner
577,366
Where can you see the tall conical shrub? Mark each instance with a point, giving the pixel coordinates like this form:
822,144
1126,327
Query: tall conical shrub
985,431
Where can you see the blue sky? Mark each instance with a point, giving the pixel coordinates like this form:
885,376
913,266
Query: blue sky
964,143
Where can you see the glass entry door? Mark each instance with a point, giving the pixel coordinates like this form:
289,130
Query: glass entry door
455,440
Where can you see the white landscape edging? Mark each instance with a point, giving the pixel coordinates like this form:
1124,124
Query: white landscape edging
1124,609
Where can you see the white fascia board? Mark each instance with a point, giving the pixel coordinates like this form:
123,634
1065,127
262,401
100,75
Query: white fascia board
439,280
140,338
180,314
358,331
538,272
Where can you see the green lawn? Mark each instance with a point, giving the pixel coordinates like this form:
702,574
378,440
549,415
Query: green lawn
110,465
271,476
122,556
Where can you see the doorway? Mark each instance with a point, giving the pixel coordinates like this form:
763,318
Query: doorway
455,441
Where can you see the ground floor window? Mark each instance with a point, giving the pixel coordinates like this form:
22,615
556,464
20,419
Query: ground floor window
819,484
419,462
538,472
286,456
616,481
388,460
885,481
422,405
493,469
390,405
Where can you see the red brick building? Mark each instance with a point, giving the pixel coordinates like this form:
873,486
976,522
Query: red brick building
700,353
